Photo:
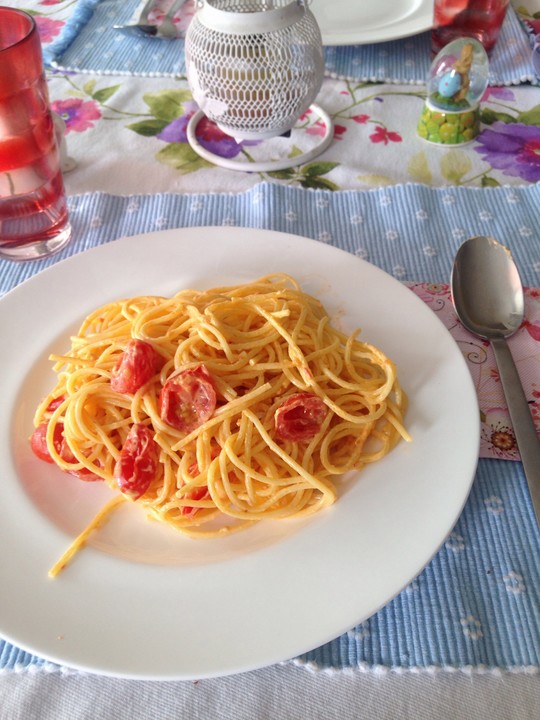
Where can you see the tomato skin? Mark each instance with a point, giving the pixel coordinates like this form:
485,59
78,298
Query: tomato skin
300,416
135,367
38,441
54,404
198,493
83,473
138,462
188,399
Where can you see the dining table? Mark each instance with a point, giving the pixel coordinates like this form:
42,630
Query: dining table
455,629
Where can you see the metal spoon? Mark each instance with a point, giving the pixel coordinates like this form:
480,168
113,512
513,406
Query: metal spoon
488,298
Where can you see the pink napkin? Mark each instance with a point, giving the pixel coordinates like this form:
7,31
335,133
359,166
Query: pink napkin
497,435
181,18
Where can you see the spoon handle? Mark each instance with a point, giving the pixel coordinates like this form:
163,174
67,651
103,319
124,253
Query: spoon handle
522,422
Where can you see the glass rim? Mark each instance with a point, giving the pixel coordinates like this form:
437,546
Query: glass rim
32,26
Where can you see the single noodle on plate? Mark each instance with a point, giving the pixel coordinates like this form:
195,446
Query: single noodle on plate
216,409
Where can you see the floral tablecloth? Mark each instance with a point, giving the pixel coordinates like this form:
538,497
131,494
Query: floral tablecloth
374,144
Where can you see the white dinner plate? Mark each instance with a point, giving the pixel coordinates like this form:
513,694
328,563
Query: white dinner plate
358,22
143,601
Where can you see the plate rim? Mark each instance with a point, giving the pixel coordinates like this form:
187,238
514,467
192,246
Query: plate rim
420,21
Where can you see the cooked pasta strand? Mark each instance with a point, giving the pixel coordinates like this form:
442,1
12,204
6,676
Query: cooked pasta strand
261,343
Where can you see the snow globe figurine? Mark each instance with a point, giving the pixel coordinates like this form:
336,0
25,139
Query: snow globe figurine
457,80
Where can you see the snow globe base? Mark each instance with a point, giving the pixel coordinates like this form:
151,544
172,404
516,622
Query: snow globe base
448,128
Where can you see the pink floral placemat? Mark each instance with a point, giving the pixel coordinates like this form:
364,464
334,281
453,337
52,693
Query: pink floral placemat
497,436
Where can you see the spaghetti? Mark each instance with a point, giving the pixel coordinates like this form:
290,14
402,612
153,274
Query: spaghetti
215,409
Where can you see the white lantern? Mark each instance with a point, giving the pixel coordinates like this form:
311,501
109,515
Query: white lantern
254,67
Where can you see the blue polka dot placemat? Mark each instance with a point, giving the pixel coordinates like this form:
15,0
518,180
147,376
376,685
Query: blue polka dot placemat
476,606
89,43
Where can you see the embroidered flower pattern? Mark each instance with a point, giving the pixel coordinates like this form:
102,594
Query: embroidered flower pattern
455,542
208,134
494,505
79,115
498,435
514,583
472,627
382,135
512,148
48,28
360,119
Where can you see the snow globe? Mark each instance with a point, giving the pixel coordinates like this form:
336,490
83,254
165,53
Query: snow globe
457,80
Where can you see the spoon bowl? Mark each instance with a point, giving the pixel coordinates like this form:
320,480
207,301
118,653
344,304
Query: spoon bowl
488,298
487,289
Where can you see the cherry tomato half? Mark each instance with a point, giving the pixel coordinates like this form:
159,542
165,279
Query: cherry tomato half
51,407
38,441
300,416
83,473
137,465
135,367
198,493
188,399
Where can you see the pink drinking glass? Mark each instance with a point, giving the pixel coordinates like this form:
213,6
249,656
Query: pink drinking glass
480,19
33,210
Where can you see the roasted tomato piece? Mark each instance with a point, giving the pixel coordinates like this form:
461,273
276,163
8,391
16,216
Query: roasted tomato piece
83,473
135,367
188,399
300,416
51,407
38,441
137,465
198,493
